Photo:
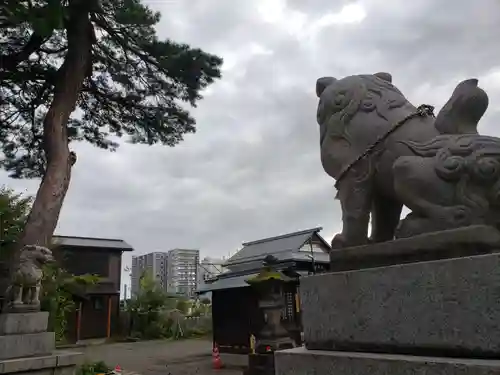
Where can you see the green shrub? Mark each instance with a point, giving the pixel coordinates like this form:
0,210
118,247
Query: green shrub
93,368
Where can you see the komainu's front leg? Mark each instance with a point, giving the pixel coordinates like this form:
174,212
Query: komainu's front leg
356,200
35,300
17,291
26,295
386,213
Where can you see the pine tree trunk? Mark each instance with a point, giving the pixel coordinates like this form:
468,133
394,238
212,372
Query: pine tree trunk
44,214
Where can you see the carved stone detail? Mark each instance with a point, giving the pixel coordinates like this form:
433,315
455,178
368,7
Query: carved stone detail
440,168
23,293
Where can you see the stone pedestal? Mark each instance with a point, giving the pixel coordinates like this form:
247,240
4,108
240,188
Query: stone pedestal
260,364
444,307
27,348
300,361
384,316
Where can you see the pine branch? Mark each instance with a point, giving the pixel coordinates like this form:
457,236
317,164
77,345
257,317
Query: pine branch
9,62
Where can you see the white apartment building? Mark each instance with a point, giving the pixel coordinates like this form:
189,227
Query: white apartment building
182,271
155,263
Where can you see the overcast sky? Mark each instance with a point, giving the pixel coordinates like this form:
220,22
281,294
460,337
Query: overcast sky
252,170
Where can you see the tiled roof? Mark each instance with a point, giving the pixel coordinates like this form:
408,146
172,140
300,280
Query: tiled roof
282,247
226,283
108,243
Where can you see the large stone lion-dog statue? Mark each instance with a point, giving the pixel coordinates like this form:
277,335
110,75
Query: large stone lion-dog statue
385,153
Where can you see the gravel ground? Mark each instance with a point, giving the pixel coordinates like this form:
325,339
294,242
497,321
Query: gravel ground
187,357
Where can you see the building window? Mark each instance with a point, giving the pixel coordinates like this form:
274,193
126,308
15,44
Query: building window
79,262
97,303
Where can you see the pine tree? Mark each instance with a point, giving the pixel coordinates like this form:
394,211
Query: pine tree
87,70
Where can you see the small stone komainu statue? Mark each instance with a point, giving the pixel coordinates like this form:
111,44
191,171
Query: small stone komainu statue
23,292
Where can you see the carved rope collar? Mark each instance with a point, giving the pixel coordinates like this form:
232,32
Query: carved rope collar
423,110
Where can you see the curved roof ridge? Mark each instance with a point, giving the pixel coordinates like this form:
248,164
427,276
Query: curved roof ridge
298,233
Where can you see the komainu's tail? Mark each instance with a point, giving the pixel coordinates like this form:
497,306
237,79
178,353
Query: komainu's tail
462,112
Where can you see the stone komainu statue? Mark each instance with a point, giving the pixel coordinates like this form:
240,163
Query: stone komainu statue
26,277
385,153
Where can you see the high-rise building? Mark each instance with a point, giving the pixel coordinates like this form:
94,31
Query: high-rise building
155,263
182,271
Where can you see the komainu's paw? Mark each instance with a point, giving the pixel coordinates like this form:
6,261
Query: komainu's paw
338,241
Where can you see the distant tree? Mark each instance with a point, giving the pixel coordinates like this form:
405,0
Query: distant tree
14,210
58,290
103,58
183,305
147,307
206,301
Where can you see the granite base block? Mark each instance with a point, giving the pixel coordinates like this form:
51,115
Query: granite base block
19,323
58,363
452,243
314,362
260,364
447,307
17,346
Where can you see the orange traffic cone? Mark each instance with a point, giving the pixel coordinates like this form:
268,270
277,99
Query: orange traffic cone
216,357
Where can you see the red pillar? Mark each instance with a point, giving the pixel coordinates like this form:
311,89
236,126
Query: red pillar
108,326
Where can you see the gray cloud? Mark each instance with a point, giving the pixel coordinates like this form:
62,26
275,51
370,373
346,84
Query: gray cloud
252,170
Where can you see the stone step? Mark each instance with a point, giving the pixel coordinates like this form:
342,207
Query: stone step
439,308
317,362
18,323
64,362
32,344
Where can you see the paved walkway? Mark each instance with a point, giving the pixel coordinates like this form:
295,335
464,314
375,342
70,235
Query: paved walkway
159,357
